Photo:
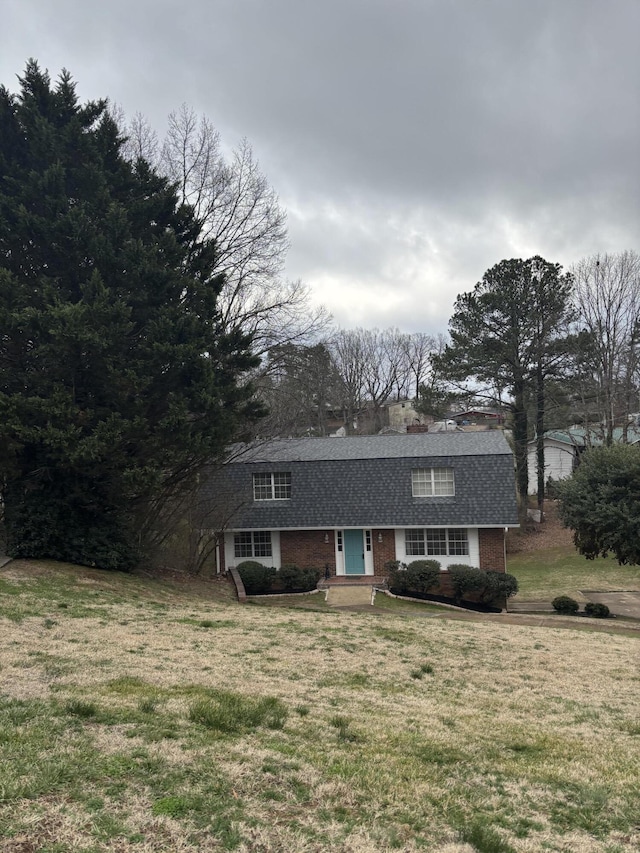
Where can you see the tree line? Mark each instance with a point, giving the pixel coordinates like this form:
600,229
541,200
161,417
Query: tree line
549,347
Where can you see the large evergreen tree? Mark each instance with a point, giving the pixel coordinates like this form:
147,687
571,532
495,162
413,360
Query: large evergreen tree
117,380
507,338
601,503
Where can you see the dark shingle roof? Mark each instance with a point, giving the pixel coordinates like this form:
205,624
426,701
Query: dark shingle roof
365,481
376,447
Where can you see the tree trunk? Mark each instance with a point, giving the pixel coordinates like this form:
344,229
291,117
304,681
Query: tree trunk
520,444
540,406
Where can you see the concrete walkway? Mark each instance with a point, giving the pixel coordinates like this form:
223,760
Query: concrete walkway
529,606
349,596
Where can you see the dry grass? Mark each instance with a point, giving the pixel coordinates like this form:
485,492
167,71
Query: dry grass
402,733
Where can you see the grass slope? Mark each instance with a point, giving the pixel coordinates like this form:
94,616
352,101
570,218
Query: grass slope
544,559
138,716
560,570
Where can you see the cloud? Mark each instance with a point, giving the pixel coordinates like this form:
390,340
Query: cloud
415,143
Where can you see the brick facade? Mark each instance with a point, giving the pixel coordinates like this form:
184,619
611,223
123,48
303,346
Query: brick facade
307,549
382,550
492,556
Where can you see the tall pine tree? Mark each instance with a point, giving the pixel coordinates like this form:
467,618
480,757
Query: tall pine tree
117,379
508,336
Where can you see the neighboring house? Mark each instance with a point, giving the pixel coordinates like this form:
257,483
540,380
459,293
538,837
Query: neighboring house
402,414
562,450
477,417
348,505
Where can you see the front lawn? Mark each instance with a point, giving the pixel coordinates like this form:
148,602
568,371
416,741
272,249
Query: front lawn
139,717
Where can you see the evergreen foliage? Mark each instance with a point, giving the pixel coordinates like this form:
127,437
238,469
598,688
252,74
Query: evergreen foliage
117,378
565,605
601,503
597,610
257,579
508,334
296,579
466,579
418,576
499,585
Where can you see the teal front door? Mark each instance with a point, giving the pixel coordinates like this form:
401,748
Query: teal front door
353,552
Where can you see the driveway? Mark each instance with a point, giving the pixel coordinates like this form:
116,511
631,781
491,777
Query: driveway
623,603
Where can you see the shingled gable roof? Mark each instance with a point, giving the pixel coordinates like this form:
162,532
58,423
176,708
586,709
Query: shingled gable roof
365,481
375,447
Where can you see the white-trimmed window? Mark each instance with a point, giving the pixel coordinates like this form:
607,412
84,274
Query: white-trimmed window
252,543
414,543
272,487
432,482
436,542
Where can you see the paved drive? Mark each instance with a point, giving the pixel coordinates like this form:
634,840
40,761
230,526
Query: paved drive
621,603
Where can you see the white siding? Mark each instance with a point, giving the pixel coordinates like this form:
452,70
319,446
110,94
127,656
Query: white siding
470,559
558,463
230,558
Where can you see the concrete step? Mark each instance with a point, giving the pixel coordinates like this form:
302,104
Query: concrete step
349,596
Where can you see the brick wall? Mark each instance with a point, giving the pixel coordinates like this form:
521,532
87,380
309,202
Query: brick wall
382,551
307,549
491,541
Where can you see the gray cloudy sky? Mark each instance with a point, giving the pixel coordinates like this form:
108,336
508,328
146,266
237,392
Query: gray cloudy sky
414,143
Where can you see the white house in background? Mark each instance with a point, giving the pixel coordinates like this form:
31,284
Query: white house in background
402,414
562,450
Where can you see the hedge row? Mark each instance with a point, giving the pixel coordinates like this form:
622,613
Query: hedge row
261,580
422,576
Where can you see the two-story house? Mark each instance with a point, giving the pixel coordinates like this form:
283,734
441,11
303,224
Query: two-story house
348,505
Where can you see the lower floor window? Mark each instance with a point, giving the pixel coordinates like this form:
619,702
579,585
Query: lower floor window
255,543
437,542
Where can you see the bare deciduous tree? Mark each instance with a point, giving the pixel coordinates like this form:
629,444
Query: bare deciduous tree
241,212
607,300
376,366
420,348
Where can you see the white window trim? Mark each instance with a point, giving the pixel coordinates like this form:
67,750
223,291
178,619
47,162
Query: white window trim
230,558
470,559
367,537
431,472
272,475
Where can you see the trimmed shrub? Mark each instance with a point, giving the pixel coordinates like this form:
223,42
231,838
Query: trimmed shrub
397,579
498,585
257,579
417,576
293,578
596,610
465,579
566,605
423,575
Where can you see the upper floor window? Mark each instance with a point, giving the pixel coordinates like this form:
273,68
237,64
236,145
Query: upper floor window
272,487
430,482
